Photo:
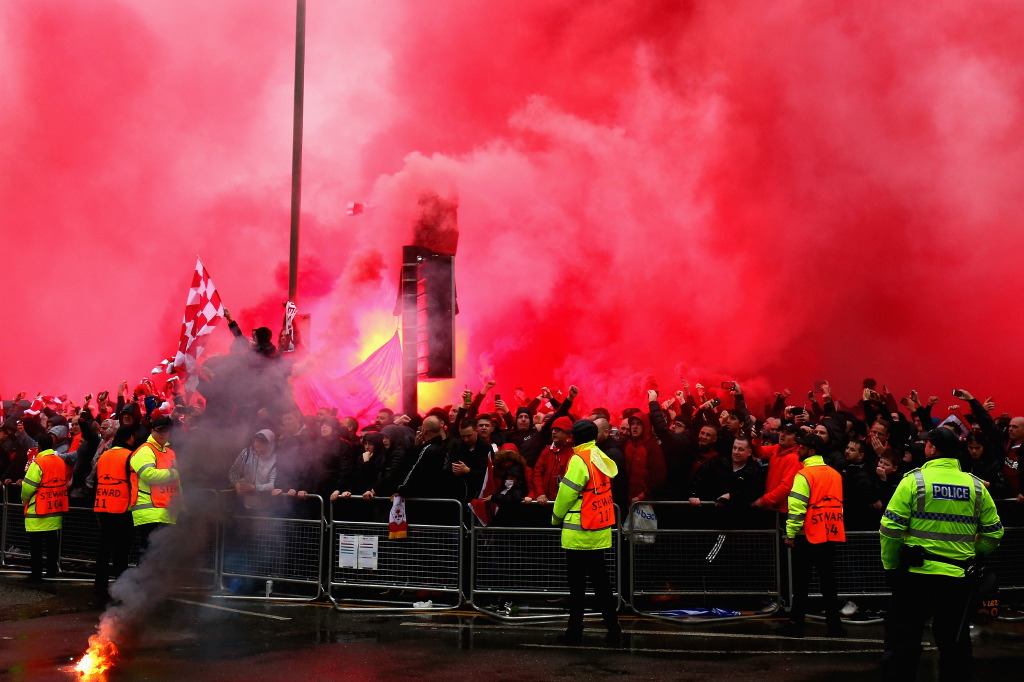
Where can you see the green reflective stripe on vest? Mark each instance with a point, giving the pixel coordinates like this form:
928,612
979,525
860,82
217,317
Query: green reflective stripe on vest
575,486
950,518
991,529
795,517
798,496
919,478
34,484
142,506
896,518
42,516
942,537
572,526
891,532
144,467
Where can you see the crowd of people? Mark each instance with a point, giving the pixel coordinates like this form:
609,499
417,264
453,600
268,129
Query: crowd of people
686,447
241,428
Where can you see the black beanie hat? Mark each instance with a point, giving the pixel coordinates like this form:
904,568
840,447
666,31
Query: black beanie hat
583,431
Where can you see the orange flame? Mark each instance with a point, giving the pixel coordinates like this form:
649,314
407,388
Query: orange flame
98,659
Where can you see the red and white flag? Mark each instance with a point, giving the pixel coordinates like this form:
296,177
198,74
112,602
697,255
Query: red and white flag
203,310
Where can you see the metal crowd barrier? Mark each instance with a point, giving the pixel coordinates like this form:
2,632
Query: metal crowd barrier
424,569
201,517
859,571
254,553
261,549
13,538
527,561
80,535
680,558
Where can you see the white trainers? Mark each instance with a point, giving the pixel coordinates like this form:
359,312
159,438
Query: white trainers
848,609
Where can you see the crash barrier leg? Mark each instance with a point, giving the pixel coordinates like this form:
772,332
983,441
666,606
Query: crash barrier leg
423,570
527,562
262,549
687,555
14,544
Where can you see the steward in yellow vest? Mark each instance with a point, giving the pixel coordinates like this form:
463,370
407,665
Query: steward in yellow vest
814,526
44,494
584,510
155,481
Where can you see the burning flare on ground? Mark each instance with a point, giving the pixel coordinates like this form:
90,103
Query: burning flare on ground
100,657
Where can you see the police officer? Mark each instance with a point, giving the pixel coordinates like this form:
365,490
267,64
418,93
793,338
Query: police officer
814,527
586,513
938,522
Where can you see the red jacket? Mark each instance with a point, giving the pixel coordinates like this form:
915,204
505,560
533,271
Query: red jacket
783,466
549,470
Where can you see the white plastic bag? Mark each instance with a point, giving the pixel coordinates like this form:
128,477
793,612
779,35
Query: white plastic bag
642,518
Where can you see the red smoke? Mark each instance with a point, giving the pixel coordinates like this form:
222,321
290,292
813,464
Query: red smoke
772,192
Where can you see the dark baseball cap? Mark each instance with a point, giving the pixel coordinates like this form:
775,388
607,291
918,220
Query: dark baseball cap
161,423
944,440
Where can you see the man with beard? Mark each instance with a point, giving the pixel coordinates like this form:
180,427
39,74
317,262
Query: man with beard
525,437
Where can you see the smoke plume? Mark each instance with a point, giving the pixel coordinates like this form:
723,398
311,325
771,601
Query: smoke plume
776,193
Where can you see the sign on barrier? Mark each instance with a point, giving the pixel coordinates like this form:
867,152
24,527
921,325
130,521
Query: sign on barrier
425,567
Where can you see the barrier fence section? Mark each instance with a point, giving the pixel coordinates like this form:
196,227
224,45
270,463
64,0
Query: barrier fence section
681,558
253,552
859,571
527,561
13,538
262,548
1008,561
425,568
200,520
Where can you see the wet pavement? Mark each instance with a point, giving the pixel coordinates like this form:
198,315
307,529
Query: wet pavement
194,637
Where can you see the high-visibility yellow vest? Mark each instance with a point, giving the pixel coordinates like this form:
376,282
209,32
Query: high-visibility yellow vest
816,503
44,492
947,513
589,469
154,483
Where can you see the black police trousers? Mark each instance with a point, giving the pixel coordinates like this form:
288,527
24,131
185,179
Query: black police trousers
915,598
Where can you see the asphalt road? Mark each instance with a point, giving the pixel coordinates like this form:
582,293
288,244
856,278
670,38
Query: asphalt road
191,637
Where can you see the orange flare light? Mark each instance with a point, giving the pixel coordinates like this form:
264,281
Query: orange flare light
100,657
